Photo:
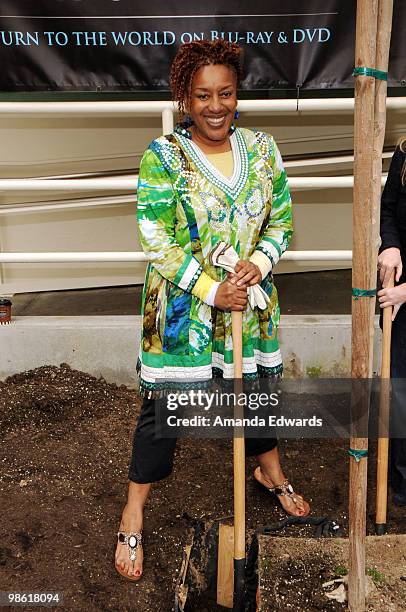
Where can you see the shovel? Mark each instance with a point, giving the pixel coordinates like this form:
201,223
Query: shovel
231,538
225,256
214,559
383,440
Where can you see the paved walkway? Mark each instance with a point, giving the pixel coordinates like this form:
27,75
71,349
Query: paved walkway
299,294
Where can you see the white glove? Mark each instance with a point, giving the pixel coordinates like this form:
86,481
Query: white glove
225,256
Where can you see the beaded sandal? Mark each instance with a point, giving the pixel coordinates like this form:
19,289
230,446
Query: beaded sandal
284,489
132,541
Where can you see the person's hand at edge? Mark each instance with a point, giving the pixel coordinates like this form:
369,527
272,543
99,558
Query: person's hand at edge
388,261
393,296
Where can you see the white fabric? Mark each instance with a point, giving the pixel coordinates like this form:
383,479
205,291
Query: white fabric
211,296
225,256
262,261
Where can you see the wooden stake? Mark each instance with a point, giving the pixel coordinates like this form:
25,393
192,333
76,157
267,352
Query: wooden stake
384,410
363,277
374,18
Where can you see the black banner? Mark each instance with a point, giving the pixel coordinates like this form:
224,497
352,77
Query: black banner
116,45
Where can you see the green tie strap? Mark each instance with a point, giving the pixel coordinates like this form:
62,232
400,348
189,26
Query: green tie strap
357,293
372,72
357,454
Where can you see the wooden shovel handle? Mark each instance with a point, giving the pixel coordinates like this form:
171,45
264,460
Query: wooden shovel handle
238,443
387,333
384,407
236,327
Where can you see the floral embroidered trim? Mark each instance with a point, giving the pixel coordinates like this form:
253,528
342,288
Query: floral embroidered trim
233,186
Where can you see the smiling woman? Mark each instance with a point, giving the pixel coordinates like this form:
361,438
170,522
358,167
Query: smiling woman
207,182
212,106
223,62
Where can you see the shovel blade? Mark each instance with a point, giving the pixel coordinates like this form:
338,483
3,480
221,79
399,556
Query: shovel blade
225,566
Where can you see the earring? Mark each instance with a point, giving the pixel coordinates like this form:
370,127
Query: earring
233,126
182,127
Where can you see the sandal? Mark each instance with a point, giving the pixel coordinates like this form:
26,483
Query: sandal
284,489
132,541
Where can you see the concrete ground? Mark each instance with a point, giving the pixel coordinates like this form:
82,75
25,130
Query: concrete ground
307,293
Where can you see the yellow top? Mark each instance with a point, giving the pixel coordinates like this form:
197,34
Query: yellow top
224,162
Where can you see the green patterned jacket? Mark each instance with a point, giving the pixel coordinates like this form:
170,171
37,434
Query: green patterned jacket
185,206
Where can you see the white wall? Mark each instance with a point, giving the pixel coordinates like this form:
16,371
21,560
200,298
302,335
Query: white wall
40,147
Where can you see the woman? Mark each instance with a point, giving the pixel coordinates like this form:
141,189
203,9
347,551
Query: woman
207,182
392,258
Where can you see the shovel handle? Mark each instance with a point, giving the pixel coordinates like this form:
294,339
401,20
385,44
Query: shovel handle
239,470
387,333
384,404
238,443
236,329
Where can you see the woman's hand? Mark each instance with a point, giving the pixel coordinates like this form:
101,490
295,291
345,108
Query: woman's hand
395,296
231,297
246,273
389,260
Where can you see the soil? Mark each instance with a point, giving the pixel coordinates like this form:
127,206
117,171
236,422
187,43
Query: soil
312,563
65,443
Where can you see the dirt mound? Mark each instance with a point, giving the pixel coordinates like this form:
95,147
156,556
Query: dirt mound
52,394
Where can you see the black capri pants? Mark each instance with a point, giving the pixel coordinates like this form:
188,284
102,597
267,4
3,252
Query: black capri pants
152,457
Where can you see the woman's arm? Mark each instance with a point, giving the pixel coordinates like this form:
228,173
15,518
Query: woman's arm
156,215
389,231
278,232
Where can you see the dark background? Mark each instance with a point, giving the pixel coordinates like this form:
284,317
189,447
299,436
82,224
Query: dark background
146,68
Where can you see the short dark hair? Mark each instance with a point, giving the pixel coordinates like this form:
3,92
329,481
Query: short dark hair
191,56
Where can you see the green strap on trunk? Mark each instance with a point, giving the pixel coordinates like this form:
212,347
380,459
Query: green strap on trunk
357,454
357,293
372,72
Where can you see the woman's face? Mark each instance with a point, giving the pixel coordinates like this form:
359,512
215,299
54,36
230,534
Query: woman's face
213,101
